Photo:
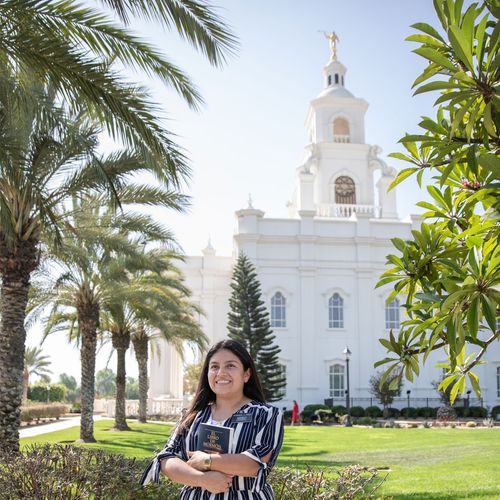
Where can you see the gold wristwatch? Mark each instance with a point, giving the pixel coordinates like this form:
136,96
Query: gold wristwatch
207,462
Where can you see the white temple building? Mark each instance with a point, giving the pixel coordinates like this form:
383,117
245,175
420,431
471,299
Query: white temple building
318,268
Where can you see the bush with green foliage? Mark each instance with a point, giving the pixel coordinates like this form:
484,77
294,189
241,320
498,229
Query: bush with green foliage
324,416
357,411
339,409
60,472
475,412
392,413
426,412
373,412
40,392
308,413
408,412
362,421
494,412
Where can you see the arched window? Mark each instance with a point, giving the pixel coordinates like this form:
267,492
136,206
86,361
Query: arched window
345,190
337,386
278,310
392,313
498,382
341,131
335,311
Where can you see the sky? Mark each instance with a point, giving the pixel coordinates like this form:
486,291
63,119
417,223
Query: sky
249,136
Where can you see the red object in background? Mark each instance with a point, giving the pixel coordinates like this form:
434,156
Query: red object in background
295,413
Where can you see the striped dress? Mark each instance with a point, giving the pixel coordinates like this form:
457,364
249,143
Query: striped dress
254,437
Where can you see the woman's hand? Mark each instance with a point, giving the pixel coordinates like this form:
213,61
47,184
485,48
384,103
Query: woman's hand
216,482
198,460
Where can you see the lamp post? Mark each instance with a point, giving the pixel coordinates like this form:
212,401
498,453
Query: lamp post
468,399
408,392
347,357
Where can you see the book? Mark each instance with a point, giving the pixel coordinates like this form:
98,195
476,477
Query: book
214,438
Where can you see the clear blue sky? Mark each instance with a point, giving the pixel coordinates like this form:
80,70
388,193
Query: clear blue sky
249,136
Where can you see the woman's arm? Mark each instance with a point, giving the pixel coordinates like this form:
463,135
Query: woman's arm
180,472
236,464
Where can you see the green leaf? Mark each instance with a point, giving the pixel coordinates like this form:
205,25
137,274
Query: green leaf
491,163
488,121
489,311
383,361
429,40
436,57
426,28
428,87
474,382
402,175
429,71
461,46
473,316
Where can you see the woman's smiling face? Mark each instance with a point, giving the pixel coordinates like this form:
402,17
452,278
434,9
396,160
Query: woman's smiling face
226,374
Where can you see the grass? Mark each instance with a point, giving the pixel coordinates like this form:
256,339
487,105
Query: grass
437,464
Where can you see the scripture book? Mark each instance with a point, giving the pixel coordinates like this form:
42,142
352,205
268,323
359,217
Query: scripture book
214,438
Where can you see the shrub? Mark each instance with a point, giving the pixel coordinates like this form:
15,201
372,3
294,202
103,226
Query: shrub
357,411
66,472
426,412
323,415
477,412
409,412
287,416
392,412
60,472
446,413
347,483
494,412
307,413
39,392
373,412
38,411
461,411
341,410
76,408
363,421
470,424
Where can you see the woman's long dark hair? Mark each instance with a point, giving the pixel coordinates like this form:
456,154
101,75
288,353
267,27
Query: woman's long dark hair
204,394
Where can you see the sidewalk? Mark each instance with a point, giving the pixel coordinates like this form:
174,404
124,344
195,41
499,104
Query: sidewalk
63,423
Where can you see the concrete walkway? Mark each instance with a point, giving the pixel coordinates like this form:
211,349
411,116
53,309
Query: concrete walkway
63,423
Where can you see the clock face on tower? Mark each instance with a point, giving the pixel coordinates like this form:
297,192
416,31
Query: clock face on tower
344,186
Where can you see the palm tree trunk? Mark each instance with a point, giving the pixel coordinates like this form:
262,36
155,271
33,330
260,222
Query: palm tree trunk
15,269
88,320
26,382
121,342
141,355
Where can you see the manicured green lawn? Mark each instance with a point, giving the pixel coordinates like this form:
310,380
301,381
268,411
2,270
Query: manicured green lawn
422,464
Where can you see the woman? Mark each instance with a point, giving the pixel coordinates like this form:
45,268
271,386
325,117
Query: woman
229,394
295,413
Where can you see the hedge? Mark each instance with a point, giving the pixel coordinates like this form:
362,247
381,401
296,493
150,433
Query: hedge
39,392
36,412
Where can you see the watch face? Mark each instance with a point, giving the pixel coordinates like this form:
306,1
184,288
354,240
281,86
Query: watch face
344,186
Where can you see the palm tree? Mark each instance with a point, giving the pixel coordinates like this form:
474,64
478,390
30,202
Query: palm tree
88,273
79,50
150,300
35,363
75,50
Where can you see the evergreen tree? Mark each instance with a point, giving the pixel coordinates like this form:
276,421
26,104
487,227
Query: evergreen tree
249,324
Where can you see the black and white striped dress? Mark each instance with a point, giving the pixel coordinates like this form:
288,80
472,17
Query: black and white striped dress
254,437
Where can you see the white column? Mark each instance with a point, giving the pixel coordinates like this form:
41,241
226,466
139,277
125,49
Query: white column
166,372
